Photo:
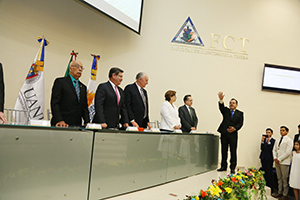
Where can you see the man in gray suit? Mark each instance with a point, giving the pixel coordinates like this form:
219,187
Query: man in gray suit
187,115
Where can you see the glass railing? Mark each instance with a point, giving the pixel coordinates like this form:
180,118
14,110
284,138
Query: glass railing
55,163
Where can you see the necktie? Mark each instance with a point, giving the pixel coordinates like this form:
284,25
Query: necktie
118,98
77,89
191,113
280,141
144,101
232,112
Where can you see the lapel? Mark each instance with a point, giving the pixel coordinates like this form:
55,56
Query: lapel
70,83
112,90
188,113
139,94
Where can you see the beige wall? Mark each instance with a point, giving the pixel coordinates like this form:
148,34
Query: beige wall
272,27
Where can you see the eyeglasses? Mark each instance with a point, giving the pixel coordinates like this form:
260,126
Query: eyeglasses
78,67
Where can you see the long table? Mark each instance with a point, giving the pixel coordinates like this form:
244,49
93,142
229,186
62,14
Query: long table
72,163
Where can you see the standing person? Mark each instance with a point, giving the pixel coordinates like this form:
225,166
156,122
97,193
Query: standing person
110,101
296,137
295,173
136,100
69,99
187,114
266,156
2,93
233,120
169,113
282,158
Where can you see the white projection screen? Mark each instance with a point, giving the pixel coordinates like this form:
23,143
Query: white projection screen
126,12
281,78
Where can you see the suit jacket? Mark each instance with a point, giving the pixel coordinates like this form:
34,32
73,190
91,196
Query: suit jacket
236,121
185,118
296,137
267,150
135,105
65,105
1,89
107,109
283,152
169,116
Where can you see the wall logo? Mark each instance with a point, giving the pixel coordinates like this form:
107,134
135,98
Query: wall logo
222,46
188,34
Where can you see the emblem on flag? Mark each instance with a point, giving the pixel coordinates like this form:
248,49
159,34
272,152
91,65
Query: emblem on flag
31,95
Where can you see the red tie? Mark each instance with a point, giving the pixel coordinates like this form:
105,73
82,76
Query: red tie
118,98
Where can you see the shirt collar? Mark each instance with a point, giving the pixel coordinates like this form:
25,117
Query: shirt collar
72,78
112,84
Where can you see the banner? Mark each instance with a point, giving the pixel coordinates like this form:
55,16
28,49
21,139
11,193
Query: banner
73,57
31,95
92,86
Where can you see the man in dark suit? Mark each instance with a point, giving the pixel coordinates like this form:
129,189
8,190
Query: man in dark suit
233,120
2,117
136,100
187,115
69,99
296,137
110,101
266,156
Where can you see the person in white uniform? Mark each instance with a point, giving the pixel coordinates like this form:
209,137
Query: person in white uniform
295,172
170,120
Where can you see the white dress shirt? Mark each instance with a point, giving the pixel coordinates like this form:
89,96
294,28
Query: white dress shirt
169,116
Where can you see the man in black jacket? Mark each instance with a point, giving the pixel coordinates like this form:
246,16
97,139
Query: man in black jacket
69,99
187,115
2,117
266,156
136,100
110,102
233,120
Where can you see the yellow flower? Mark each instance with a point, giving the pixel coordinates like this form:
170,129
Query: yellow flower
215,190
196,198
228,190
259,172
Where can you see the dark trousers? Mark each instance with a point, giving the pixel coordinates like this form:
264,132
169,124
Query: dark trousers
229,140
267,167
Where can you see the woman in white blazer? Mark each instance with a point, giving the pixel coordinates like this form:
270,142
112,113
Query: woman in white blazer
169,113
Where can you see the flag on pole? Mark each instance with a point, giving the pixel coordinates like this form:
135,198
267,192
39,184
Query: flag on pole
92,86
31,95
73,57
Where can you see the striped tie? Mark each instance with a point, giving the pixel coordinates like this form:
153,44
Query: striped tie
77,88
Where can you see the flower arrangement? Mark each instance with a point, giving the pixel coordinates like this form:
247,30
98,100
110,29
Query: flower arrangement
241,185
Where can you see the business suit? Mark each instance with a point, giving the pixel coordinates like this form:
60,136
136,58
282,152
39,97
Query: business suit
283,152
1,89
107,109
185,118
229,138
135,105
65,105
266,158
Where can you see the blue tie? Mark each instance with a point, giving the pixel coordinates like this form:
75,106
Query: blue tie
77,88
232,112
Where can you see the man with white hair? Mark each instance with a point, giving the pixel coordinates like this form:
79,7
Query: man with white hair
69,99
136,100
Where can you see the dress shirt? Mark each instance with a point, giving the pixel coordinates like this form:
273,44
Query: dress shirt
113,86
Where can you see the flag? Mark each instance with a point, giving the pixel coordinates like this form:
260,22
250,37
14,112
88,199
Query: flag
31,95
73,57
92,86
